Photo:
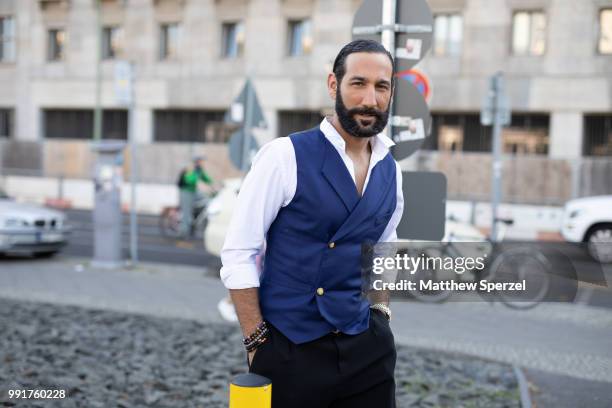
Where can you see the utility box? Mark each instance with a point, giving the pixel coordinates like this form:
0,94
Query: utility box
107,218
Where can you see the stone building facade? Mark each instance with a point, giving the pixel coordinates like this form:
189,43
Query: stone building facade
191,58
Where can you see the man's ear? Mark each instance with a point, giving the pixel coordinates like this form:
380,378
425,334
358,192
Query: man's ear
332,85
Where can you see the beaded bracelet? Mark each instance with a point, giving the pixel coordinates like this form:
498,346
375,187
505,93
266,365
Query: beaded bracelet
261,327
258,337
258,341
253,346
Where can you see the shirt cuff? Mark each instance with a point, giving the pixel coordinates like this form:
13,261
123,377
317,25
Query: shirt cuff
240,276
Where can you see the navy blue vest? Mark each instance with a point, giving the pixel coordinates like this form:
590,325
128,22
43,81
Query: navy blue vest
301,263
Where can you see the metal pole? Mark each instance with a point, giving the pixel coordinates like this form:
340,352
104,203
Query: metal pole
133,171
97,130
246,128
389,16
497,159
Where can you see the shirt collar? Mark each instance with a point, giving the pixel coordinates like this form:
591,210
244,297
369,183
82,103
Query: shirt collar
380,143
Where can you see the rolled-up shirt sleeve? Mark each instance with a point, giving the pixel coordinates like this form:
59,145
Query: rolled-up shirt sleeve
264,191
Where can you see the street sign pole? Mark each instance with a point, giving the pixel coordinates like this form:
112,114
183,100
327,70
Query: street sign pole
496,176
388,41
124,94
133,172
405,29
246,129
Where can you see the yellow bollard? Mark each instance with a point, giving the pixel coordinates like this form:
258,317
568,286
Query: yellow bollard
250,391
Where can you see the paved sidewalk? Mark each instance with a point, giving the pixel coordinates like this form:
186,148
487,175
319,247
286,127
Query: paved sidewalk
154,289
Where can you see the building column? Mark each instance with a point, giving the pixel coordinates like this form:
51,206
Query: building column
143,128
566,130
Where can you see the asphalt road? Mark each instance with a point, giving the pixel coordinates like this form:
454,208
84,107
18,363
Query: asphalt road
152,246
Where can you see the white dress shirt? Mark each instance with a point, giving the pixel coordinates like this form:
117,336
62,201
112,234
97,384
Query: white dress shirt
270,185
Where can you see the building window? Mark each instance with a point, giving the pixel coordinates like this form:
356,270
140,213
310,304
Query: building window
233,40
296,121
6,122
605,31
78,124
199,126
7,39
112,42
529,33
526,134
56,44
448,34
300,38
169,41
597,140
115,124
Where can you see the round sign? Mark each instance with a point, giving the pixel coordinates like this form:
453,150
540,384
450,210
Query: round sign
419,80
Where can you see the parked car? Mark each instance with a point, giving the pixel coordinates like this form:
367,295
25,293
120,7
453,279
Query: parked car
30,229
589,220
220,210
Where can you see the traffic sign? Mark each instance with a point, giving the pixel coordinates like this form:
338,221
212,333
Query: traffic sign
237,112
247,112
419,80
236,146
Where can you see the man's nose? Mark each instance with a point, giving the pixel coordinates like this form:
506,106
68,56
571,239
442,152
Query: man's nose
369,97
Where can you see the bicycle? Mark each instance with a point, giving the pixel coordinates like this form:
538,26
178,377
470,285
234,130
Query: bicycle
502,266
170,218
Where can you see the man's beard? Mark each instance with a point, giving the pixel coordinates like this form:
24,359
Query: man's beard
351,125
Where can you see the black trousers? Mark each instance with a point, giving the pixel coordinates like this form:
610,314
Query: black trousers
335,371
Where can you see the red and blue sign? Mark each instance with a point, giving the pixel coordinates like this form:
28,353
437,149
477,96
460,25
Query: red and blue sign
418,79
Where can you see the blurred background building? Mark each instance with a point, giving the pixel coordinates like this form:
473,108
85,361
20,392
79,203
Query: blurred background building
192,56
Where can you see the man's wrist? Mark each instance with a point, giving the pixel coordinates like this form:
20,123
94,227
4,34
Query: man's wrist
383,308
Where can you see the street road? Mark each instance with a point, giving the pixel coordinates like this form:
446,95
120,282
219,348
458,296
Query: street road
152,246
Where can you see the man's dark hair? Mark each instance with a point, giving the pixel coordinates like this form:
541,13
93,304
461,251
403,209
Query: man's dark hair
359,46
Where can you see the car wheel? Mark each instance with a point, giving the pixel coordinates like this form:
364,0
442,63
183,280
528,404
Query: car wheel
599,243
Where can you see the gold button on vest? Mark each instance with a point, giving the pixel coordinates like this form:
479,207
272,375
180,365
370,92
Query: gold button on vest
320,291
332,244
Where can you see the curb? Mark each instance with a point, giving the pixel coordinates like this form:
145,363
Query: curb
523,387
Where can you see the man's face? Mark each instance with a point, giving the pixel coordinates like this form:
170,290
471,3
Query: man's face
364,95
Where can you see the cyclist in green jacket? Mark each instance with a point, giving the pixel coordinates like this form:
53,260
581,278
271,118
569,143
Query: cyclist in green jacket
188,190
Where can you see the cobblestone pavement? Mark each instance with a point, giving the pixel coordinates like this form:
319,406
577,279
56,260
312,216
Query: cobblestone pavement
107,359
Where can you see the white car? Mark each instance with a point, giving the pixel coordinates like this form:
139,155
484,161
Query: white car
220,210
30,229
589,220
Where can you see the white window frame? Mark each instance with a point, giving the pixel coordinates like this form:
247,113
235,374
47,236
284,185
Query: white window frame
448,48
303,29
232,32
600,32
530,46
8,57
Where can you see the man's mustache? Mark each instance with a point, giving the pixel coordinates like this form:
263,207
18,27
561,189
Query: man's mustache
366,112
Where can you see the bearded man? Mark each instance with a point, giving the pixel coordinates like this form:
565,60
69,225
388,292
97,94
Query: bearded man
315,197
